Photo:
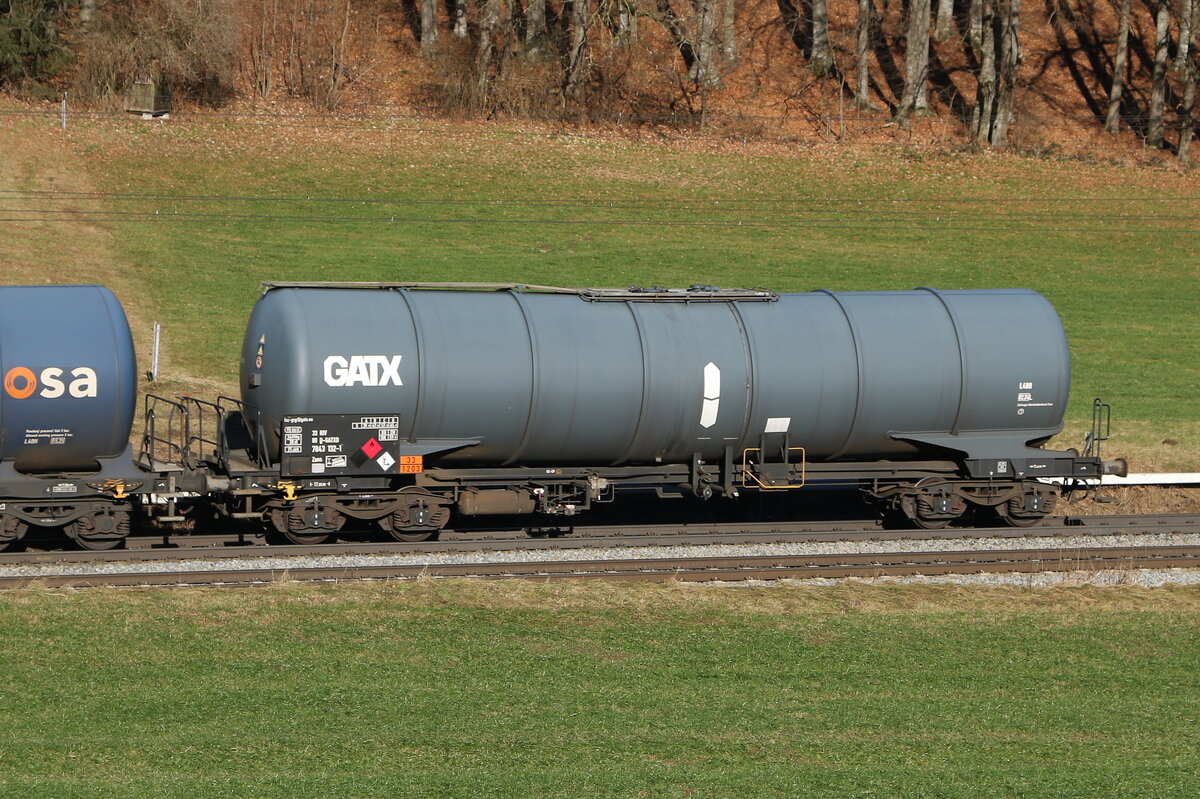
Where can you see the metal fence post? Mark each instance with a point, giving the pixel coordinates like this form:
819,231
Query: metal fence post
154,360
63,112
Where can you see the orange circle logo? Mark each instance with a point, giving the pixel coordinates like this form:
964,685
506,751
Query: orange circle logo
20,373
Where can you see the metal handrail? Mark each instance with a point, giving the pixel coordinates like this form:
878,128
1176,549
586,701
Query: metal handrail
174,440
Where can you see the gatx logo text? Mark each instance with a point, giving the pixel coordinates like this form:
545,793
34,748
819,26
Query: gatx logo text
363,370
21,382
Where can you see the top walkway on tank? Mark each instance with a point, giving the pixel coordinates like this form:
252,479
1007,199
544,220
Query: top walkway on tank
633,293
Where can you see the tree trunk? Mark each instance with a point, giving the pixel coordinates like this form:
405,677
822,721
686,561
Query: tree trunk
1158,84
429,31
87,13
626,21
916,60
460,19
796,23
1010,62
985,95
1188,123
821,60
489,19
581,14
1186,26
862,53
679,35
975,25
263,46
1112,122
535,24
945,20
729,32
704,70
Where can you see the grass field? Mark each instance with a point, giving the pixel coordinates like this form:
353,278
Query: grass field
192,216
502,690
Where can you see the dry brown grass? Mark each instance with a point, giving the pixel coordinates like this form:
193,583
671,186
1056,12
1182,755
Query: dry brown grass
645,601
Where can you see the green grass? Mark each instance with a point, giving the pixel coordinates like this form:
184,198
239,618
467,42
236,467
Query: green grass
458,690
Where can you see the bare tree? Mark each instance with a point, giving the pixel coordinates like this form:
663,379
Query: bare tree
581,15
863,26
985,92
916,61
1158,84
1112,121
489,20
1187,123
460,19
821,58
626,21
535,23
429,30
975,25
1009,22
704,69
729,32
1186,26
945,20
262,20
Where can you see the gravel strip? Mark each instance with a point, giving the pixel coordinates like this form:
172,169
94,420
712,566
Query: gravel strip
1143,578
281,563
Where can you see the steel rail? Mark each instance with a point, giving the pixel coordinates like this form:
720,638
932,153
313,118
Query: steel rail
216,547
759,567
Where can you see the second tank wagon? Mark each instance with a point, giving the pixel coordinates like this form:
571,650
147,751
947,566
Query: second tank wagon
502,399
609,378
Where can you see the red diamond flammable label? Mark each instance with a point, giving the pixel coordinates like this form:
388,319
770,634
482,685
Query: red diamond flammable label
372,448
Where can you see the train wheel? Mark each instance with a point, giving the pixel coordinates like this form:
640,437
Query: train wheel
306,526
80,534
306,539
12,530
415,536
932,512
99,531
1026,510
422,519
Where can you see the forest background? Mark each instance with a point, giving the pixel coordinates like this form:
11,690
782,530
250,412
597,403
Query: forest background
1076,76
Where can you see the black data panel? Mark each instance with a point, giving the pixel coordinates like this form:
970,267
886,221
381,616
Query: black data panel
336,444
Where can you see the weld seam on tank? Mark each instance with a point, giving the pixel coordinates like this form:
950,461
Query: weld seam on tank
419,340
962,360
748,348
858,362
637,430
534,360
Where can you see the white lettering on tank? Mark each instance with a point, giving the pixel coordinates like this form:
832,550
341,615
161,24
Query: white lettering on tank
53,386
712,395
85,382
363,370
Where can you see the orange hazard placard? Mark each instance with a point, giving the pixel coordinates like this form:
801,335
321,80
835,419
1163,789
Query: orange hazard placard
411,464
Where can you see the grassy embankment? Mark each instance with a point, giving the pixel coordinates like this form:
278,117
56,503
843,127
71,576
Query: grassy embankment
468,690
247,202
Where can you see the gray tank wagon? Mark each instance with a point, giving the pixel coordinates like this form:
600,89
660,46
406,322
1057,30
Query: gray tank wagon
510,399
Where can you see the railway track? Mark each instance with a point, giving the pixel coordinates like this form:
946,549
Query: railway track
153,548
706,569
211,561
